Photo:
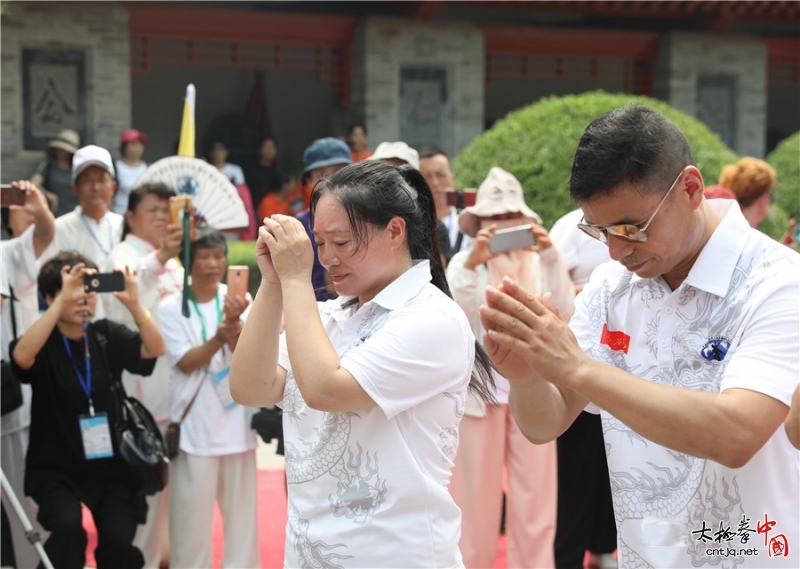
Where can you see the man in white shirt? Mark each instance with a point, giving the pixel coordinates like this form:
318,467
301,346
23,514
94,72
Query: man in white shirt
689,347
91,229
435,167
33,226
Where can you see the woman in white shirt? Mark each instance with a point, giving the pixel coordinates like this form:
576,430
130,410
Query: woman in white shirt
372,383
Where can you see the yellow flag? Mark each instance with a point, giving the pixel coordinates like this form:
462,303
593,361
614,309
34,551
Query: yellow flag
186,144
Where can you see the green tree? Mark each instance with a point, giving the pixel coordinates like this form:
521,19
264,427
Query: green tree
537,144
786,161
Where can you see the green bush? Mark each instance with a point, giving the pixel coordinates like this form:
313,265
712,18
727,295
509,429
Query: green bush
244,253
537,144
786,161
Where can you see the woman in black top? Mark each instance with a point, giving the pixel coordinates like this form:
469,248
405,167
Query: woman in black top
72,456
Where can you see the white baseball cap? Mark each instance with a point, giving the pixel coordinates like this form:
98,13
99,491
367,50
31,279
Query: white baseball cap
91,156
399,150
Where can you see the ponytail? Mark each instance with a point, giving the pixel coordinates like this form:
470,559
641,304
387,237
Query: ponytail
482,381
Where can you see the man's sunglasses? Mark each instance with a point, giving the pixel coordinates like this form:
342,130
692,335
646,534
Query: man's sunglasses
624,230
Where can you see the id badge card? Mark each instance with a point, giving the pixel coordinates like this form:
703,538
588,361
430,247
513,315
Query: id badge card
222,387
96,436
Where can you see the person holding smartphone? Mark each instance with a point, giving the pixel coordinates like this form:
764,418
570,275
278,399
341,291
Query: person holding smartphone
32,227
216,460
149,245
490,440
71,363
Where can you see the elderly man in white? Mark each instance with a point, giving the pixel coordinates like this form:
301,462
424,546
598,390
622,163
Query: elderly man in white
91,229
490,440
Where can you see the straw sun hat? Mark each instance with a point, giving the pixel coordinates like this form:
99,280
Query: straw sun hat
499,193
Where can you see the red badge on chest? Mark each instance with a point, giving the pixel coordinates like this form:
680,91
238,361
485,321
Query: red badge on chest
617,341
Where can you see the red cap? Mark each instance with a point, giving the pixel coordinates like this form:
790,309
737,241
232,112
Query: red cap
132,135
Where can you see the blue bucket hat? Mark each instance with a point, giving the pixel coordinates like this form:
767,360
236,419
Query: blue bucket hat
325,152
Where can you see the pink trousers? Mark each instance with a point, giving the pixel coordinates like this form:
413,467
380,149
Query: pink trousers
487,446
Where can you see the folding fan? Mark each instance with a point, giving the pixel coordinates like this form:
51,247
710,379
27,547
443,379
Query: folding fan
215,199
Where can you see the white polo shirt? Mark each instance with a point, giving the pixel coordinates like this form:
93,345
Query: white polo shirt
92,239
369,488
212,428
733,323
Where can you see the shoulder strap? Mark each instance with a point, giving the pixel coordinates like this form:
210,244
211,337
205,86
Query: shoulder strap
189,406
457,246
11,300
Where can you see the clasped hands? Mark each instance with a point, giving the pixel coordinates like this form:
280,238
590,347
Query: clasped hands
526,337
283,250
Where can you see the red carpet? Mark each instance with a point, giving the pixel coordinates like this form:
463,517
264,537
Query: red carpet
271,526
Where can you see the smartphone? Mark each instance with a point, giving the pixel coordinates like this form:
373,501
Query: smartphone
461,198
521,237
238,280
10,195
104,282
178,207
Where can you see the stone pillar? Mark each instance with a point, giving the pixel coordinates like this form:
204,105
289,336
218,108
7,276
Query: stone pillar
98,29
421,81
719,80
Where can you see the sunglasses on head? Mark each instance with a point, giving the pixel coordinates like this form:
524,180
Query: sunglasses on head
625,230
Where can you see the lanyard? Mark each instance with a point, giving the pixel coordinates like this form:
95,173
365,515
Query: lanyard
94,236
85,381
200,315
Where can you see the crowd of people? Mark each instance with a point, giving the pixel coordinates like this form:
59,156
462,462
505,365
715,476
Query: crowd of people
621,383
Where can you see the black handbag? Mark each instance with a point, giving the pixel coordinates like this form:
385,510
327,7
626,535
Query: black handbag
11,392
141,447
139,440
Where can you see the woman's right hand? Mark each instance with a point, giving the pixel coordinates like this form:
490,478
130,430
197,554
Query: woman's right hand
264,259
72,288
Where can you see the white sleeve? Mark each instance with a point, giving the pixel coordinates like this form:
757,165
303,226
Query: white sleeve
766,359
23,267
417,354
466,289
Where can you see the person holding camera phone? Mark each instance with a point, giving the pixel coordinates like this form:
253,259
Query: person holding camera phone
72,363
150,243
435,166
490,440
32,227
216,458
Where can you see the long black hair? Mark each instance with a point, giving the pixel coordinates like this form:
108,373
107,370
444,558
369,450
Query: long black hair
372,193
